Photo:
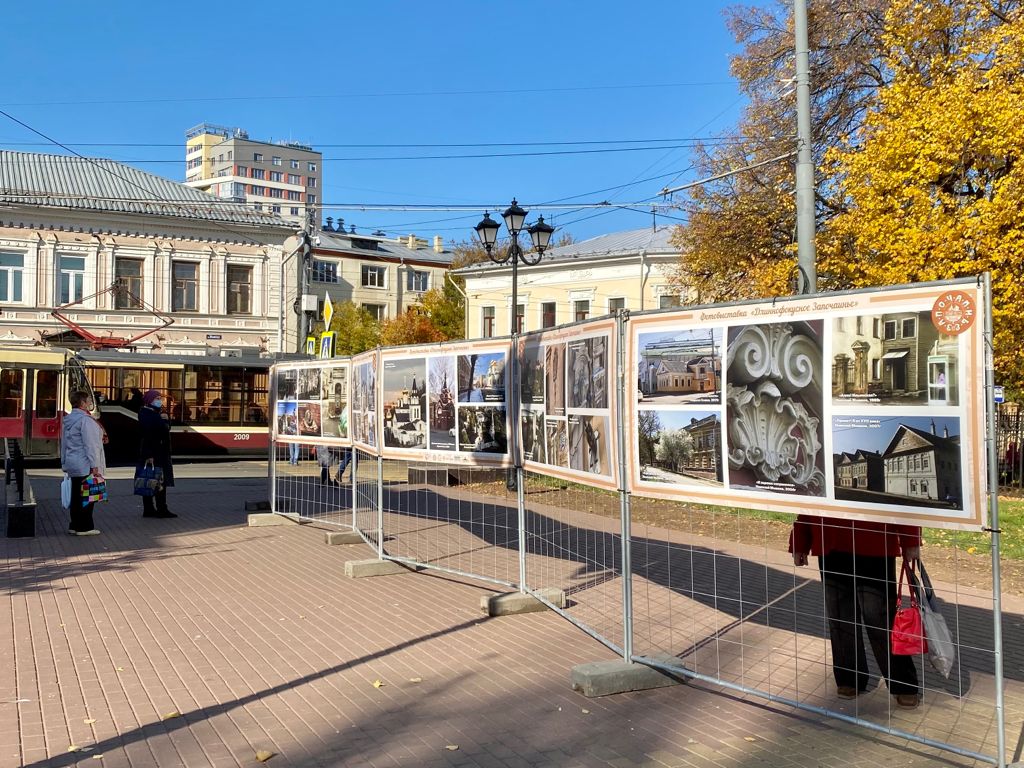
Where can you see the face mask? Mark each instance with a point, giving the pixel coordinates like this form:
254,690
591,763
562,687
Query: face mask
158,403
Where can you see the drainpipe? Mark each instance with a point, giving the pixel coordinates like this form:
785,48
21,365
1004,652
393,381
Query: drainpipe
465,304
643,276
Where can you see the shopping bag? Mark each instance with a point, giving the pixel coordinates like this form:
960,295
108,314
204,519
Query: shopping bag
941,649
908,637
94,488
149,480
65,491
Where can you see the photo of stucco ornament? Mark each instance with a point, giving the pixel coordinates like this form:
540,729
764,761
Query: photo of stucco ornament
774,406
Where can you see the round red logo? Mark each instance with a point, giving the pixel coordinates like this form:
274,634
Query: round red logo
953,312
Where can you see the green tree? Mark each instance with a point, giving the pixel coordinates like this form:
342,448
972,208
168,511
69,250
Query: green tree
675,447
649,426
355,329
446,307
413,326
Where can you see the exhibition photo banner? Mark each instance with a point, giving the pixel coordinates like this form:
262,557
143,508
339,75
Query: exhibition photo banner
866,405
446,402
567,402
363,424
312,402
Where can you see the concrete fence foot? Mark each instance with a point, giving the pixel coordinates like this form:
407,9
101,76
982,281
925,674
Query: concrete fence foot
261,519
343,537
359,569
604,678
511,603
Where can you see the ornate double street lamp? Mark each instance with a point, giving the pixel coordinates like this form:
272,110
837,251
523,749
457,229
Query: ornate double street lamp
540,234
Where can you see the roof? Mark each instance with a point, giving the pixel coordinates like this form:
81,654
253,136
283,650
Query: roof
388,249
628,243
937,441
95,184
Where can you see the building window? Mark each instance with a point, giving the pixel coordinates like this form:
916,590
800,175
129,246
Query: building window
295,163
242,171
128,272
275,176
668,300
909,328
376,311
373,277
890,330
293,211
258,173
311,167
255,189
487,327
311,181
185,293
220,158
11,273
614,305
257,157
311,199
275,160
417,280
275,192
876,368
325,271
239,290
547,313
293,178
520,318
581,309
840,324
72,278
860,325
275,208
231,154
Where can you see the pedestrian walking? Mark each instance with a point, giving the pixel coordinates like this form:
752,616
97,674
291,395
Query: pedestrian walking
857,561
81,457
155,451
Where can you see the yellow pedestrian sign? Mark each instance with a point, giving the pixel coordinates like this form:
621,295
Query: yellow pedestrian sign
328,310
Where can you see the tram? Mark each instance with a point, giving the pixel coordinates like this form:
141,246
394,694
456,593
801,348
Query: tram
217,406
35,384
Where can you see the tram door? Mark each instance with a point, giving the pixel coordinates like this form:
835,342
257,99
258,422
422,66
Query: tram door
44,417
12,403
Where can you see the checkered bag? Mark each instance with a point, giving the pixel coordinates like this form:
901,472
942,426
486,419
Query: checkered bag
93,489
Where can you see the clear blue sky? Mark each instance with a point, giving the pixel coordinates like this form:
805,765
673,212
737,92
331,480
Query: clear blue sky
332,73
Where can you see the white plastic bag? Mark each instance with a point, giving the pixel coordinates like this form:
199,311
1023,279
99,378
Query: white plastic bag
941,650
65,491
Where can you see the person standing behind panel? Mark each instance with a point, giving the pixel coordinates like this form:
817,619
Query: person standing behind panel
155,450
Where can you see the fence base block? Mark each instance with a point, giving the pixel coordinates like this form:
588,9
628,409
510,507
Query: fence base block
358,569
343,537
604,678
267,518
511,603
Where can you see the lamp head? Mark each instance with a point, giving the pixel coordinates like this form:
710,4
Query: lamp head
487,231
514,217
540,234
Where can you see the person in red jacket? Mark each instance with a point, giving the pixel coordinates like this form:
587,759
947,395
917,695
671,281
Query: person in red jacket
857,561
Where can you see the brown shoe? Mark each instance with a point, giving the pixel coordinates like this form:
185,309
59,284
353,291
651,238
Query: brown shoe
908,700
846,692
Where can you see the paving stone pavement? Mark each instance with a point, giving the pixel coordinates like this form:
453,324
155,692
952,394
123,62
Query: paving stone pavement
200,641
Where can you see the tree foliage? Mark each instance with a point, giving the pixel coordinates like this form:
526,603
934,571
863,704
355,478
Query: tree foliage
413,326
356,330
675,447
445,305
648,427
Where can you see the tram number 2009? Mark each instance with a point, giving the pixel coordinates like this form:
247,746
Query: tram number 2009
241,436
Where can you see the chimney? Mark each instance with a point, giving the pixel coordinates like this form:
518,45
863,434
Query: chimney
352,229
933,427
410,242
341,225
438,244
945,432
328,227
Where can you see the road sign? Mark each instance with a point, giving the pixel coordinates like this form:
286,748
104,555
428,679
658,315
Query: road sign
997,394
327,345
328,310
311,345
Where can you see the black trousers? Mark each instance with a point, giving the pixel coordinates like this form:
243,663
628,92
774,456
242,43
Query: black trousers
860,592
81,516
155,503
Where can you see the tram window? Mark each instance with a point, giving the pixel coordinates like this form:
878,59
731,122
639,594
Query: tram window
256,382
46,394
12,384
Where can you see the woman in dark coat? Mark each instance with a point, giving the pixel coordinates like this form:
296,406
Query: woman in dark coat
155,449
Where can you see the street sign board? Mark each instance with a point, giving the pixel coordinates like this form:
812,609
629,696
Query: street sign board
328,310
998,395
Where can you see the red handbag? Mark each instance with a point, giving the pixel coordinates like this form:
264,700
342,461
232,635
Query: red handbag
908,637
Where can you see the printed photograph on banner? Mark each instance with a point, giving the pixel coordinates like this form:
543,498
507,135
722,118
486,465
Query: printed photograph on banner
534,441
334,401
680,366
309,419
482,429
364,399
482,378
287,417
365,427
441,383
899,358
554,357
909,461
405,403
679,447
558,442
774,406
588,372
287,383
531,373
588,444
309,384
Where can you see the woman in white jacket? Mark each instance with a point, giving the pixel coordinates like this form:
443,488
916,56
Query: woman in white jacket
81,455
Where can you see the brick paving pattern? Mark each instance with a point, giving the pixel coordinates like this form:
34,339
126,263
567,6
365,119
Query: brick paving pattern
200,641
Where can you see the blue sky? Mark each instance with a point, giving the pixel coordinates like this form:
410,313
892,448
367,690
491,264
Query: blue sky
332,73
874,433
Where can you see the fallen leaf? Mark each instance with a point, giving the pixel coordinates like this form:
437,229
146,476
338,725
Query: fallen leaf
170,715
378,683
74,748
451,747
585,711
89,720
415,679
749,738
263,755
97,757
971,550
119,669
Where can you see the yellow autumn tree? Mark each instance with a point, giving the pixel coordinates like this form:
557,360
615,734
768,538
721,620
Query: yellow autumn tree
933,181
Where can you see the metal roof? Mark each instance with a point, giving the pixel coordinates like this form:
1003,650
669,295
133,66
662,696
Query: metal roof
388,249
628,243
95,184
